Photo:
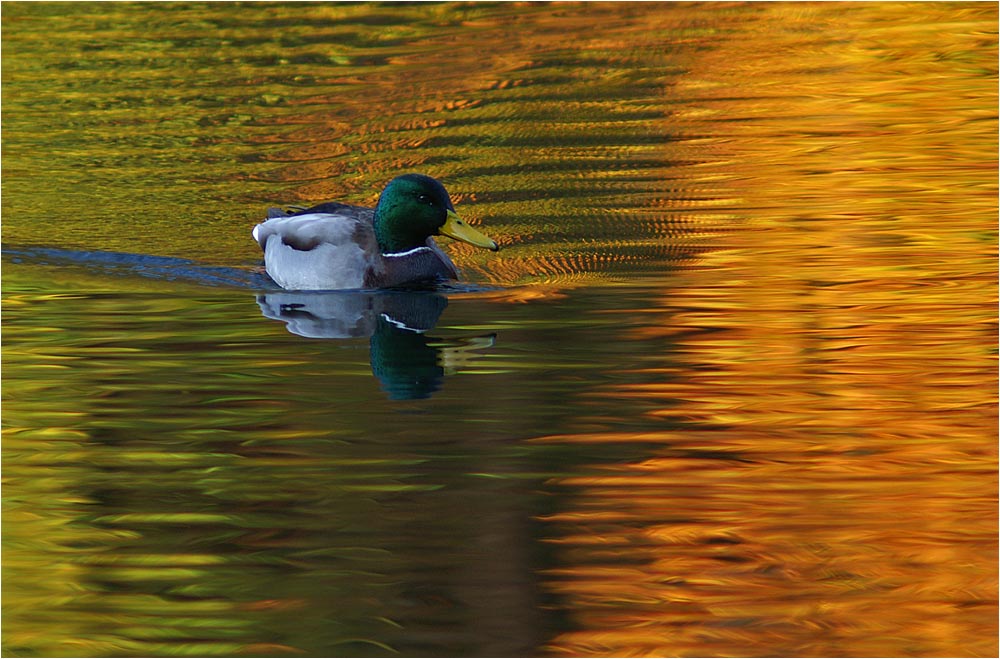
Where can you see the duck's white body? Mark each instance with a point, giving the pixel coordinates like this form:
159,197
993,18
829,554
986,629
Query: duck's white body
318,251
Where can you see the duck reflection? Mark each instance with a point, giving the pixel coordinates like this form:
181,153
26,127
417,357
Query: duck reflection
408,363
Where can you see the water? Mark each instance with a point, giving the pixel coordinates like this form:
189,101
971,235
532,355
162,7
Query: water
728,389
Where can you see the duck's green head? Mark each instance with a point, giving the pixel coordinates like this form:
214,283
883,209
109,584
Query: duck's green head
412,208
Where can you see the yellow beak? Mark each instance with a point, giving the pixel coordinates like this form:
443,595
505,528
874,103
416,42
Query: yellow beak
455,227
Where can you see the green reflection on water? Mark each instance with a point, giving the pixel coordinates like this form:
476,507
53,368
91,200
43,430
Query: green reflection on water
292,507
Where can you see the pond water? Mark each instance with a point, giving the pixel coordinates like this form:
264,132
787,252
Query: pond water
728,389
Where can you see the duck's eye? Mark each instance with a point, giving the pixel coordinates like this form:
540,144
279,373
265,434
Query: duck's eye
424,199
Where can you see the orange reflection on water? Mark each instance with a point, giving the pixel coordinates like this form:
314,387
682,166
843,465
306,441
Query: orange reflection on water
827,555
824,483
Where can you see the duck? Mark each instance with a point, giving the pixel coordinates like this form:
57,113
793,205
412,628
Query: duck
336,246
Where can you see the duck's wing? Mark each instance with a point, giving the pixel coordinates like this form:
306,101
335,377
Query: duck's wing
314,251
304,230
330,208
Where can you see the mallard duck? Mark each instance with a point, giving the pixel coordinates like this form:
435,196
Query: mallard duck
337,246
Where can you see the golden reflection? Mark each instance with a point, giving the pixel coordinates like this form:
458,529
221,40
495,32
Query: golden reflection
813,492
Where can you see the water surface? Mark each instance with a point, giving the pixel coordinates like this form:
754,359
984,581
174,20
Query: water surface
729,388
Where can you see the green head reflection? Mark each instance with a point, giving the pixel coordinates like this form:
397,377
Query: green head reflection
408,363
